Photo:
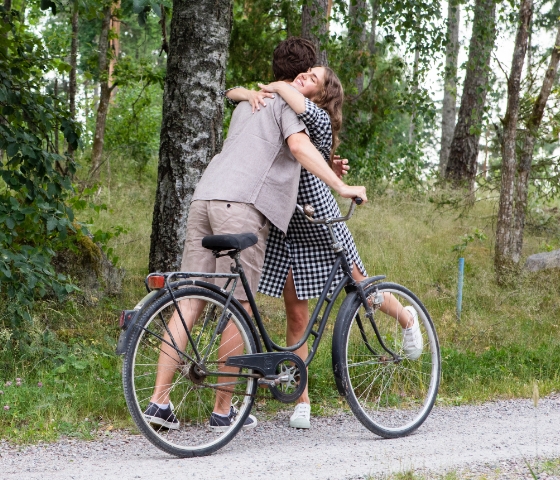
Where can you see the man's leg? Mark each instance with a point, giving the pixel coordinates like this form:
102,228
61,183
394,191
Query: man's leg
168,357
230,344
233,218
195,259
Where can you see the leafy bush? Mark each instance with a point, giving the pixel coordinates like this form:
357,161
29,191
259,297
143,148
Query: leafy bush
35,185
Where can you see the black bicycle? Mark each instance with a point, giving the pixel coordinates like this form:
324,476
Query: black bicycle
228,353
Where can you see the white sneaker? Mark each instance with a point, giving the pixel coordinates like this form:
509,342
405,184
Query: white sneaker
301,416
412,337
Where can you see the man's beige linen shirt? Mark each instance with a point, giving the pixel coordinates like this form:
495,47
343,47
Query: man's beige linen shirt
255,165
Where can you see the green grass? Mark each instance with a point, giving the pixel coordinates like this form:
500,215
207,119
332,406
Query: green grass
507,339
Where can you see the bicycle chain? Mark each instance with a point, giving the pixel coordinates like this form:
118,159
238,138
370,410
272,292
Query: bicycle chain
202,385
196,387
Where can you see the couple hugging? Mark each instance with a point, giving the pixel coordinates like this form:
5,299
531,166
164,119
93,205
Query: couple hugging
279,151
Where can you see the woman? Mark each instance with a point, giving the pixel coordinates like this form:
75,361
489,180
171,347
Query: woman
297,265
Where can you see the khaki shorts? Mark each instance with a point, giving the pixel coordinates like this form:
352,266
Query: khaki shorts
214,217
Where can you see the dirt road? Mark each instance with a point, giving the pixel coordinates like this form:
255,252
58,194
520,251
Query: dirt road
501,434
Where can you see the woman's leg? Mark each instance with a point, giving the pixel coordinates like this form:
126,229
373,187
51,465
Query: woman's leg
391,306
297,316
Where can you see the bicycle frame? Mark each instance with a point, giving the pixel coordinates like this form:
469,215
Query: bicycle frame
347,283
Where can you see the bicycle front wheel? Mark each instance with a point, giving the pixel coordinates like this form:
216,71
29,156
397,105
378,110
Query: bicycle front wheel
392,398
159,344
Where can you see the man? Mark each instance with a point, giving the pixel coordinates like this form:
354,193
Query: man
251,183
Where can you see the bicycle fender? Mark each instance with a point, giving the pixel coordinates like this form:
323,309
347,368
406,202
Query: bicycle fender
337,344
131,317
155,294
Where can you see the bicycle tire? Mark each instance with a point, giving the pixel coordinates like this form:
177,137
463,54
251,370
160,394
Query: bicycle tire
391,399
193,401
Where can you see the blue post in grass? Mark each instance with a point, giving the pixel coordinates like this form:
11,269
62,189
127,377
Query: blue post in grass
460,288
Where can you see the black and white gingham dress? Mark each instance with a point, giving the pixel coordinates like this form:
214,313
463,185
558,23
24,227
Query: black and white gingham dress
307,247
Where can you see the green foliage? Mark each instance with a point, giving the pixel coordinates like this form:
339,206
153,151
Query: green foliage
377,121
133,126
258,26
67,386
376,125
35,219
468,238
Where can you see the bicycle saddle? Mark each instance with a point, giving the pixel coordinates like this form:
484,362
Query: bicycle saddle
238,241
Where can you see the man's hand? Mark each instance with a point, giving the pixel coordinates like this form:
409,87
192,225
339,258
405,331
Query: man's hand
310,159
348,191
340,166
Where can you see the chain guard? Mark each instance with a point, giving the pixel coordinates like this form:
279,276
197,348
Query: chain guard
286,369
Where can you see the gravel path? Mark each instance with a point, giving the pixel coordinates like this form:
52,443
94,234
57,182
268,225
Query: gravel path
485,441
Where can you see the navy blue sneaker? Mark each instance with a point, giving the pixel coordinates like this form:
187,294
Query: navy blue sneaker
163,417
220,423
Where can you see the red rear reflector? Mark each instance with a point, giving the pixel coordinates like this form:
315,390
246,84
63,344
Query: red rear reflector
155,282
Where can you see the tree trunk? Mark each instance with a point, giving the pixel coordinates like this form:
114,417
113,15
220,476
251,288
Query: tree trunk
104,96
114,44
524,164
191,130
73,67
358,32
463,152
503,254
86,100
449,108
314,23
373,33
415,80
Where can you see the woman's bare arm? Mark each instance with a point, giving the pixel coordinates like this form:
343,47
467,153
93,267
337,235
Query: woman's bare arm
290,95
256,99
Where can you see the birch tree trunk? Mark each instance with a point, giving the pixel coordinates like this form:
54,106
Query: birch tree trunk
191,130
526,156
503,254
415,80
358,18
314,25
463,152
449,108
114,45
104,96
373,33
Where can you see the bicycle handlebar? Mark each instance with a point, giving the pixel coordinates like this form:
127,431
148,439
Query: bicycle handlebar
308,211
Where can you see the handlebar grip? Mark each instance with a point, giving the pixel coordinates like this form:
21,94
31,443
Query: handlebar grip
358,200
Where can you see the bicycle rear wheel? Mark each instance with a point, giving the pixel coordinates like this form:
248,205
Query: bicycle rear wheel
191,392
390,398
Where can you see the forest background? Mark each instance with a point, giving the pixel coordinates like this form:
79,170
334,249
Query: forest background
86,131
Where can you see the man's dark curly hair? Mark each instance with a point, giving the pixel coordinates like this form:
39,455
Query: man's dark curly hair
292,57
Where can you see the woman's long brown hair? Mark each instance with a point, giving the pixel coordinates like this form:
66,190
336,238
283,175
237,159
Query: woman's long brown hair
330,99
